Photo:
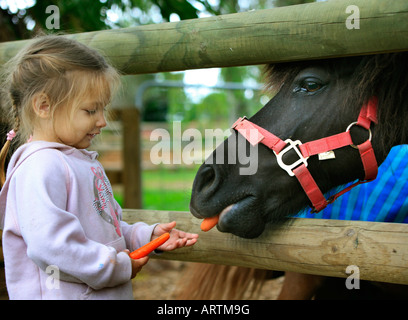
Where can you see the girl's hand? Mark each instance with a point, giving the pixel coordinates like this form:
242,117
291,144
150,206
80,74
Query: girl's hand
137,264
178,238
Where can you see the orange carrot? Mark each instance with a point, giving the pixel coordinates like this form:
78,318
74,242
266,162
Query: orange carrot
147,248
209,223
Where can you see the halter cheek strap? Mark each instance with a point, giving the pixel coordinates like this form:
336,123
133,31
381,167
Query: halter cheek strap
368,114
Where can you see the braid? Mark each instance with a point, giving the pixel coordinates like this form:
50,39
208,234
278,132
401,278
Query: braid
3,156
16,117
6,146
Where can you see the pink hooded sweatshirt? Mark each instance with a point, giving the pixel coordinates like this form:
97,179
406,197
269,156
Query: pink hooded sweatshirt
62,231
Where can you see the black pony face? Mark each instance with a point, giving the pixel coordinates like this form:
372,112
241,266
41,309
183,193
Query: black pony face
312,103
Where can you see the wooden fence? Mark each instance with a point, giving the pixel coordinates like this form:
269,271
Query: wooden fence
313,246
310,31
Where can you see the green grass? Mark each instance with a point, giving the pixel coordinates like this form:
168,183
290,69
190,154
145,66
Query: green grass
167,189
169,200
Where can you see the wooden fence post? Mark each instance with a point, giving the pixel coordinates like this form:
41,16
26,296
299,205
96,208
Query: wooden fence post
132,170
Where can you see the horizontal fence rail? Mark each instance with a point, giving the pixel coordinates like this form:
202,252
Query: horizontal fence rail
313,246
302,32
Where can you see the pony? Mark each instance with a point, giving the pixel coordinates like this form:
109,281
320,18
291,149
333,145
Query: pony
313,100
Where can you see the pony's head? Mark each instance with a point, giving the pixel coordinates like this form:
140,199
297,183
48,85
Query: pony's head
314,99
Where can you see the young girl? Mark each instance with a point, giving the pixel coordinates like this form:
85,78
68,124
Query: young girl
63,237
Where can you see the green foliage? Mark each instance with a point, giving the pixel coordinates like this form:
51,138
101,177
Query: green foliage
214,106
75,15
182,8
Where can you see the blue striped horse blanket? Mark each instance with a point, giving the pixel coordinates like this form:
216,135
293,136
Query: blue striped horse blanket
384,199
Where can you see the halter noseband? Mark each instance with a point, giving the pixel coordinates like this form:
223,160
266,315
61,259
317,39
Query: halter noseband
323,147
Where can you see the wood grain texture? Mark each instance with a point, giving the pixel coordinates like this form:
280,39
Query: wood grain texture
309,31
313,246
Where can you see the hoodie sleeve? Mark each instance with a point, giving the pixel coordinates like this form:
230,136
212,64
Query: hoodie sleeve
137,234
55,236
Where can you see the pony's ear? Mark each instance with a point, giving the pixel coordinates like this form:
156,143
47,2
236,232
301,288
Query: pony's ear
41,106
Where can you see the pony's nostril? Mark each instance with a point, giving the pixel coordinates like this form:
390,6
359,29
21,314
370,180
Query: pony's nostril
203,191
207,178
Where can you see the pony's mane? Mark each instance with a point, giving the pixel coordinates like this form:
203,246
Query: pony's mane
383,75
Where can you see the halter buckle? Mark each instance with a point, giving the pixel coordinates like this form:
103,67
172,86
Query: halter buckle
370,135
291,145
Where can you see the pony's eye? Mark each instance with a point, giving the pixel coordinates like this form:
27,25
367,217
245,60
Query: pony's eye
311,86
308,85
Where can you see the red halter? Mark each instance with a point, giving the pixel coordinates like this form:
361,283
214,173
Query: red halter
322,147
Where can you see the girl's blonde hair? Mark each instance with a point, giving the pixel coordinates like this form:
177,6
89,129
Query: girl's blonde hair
59,67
